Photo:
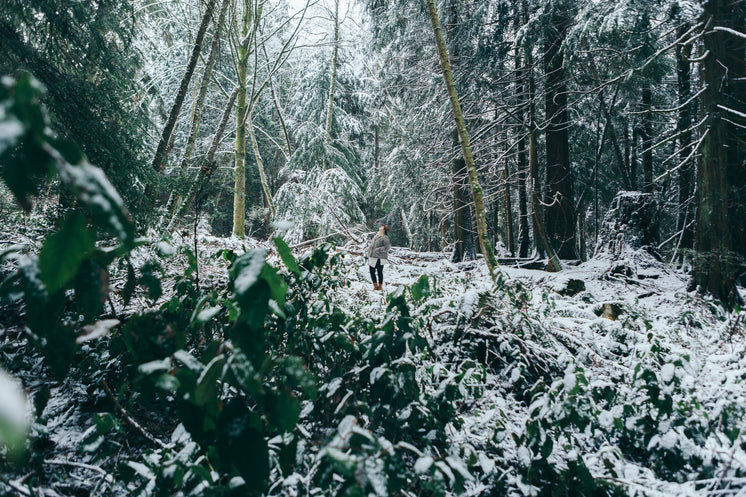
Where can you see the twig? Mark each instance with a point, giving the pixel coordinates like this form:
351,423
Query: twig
75,464
311,242
137,426
17,484
17,487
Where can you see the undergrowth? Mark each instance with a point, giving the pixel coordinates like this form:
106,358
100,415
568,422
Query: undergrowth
268,385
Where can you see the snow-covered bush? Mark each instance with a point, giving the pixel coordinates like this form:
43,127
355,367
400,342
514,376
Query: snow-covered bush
319,203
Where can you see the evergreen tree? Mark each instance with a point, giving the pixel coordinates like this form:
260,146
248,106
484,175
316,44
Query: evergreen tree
83,53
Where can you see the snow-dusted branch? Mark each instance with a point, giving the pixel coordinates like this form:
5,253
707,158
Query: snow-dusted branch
733,32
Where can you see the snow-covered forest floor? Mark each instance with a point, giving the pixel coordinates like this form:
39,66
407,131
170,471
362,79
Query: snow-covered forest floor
695,352
607,378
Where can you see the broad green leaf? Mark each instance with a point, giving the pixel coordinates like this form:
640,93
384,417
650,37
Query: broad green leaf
150,280
167,382
242,444
24,163
207,381
129,284
277,286
93,189
421,288
286,410
91,287
246,270
203,313
159,365
343,463
287,256
63,252
189,361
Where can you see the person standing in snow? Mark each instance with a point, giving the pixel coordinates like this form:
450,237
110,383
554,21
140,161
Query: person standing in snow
378,253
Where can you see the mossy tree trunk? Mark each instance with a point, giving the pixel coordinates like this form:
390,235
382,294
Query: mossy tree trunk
239,171
458,116
260,166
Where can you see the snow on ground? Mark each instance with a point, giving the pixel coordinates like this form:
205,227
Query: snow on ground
654,307
653,297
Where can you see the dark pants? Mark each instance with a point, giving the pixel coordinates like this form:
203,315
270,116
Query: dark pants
377,268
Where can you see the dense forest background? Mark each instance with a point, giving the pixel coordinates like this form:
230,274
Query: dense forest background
336,116
509,133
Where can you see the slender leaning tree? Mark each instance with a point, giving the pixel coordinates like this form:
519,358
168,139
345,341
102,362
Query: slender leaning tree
458,116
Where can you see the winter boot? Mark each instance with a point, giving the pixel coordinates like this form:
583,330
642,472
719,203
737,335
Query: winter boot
376,286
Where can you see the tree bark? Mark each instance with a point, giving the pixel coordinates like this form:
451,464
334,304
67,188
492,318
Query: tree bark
471,169
207,166
407,230
463,236
686,167
632,153
239,188
647,138
333,84
560,213
260,166
553,262
159,160
205,83
510,242
524,236
176,198
719,229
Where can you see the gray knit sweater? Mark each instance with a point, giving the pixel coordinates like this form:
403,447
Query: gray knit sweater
379,248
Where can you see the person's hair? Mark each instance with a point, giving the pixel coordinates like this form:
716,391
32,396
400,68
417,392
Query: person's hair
386,228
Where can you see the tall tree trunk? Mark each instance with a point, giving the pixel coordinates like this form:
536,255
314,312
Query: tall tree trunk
508,209
720,177
458,116
632,154
278,108
407,229
239,189
376,149
204,84
647,138
159,160
524,237
208,165
553,262
463,234
333,84
619,153
260,166
686,165
560,214
176,198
